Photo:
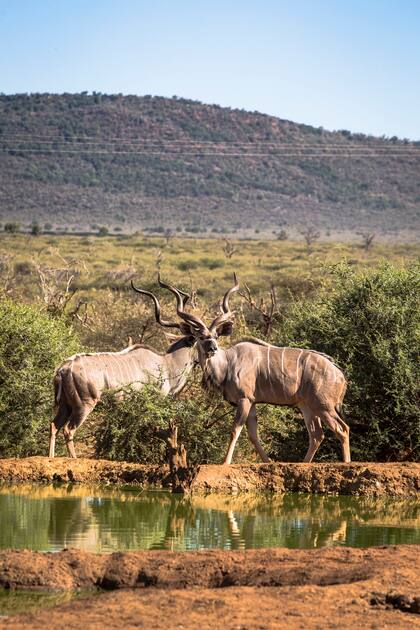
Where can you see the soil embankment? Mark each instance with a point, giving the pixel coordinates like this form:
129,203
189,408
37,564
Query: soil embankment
368,479
272,588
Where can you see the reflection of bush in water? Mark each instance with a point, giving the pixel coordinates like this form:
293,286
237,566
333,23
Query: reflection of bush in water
13,602
127,519
389,509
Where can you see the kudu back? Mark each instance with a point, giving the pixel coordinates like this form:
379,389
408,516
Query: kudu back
253,372
80,381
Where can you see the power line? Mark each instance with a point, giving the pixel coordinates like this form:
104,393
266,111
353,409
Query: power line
97,140
170,148
243,154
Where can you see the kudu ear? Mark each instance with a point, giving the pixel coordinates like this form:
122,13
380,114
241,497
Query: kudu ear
224,329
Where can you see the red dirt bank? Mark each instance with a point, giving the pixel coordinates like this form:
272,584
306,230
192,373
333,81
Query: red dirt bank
275,588
355,479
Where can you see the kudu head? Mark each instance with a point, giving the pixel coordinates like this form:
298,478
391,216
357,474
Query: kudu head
183,297
206,337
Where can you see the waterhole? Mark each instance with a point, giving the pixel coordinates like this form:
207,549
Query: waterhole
106,519
13,602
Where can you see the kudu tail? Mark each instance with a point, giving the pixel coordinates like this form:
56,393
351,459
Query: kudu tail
58,388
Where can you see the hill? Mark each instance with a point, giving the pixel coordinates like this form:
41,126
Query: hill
129,162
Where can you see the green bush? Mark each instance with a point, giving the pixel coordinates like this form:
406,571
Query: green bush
31,346
369,322
12,227
127,428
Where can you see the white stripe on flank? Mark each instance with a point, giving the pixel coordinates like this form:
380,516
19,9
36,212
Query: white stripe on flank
321,378
297,369
118,375
268,364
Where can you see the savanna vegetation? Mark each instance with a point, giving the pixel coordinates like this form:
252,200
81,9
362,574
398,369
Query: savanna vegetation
359,305
122,162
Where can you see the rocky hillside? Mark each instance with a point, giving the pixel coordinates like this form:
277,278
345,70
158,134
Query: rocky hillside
78,160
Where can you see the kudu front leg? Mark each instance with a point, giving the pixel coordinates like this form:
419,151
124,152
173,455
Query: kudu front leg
242,412
252,426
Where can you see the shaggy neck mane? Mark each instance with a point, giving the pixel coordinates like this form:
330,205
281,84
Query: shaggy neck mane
184,342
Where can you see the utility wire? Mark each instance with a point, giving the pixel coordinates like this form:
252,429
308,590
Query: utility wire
209,143
243,154
169,147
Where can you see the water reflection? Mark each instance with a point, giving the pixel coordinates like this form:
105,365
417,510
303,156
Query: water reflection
109,519
13,601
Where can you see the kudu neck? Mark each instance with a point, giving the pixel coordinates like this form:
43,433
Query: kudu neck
215,367
179,364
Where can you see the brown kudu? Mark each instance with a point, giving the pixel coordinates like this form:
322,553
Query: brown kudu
80,381
253,372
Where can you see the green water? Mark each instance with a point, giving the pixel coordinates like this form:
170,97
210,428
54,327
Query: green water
49,518
14,602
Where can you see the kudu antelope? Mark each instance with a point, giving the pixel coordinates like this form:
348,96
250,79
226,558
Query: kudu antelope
255,372
80,381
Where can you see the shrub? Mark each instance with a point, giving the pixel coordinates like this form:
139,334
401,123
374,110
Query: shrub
31,346
282,235
127,428
369,322
12,227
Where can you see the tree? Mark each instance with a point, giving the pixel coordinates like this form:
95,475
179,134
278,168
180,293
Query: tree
267,309
229,249
369,323
103,230
282,235
12,227
32,344
310,234
35,229
367,240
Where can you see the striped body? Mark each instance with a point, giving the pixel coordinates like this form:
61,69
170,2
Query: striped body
255,372
87,376
281,376
81,380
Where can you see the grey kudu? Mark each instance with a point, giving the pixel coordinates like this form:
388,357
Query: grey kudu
80,381
252,372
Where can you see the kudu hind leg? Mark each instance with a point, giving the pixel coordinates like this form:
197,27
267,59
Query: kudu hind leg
77,418
59,421
252,426
242,412
341,430
315,432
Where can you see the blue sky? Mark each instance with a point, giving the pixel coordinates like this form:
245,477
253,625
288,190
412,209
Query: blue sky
342,64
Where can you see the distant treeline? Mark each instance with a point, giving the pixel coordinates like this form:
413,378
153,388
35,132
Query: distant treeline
147,161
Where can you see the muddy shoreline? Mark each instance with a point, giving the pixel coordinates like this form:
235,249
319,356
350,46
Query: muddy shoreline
331,587
364,479
270,588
